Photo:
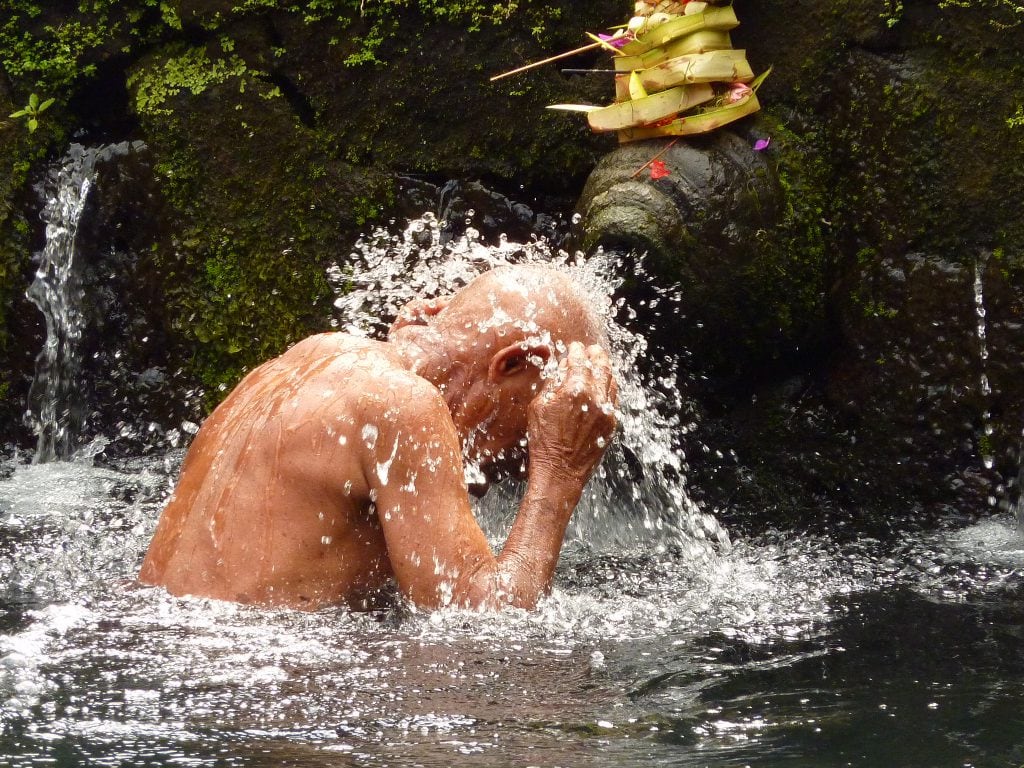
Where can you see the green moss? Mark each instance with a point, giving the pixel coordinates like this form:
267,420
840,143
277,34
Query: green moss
788,271
256,209
375,24
1001,14
16,147
1016,120
986,446
192,70
49,49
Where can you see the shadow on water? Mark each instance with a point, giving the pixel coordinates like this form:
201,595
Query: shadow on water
900,679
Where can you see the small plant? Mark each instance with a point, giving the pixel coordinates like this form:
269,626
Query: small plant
1016,120
32,111
893,13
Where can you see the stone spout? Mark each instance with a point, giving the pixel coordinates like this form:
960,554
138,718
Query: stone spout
705,226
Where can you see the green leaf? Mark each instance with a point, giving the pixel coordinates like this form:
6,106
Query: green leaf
33,101
46,105
19,113
760,79
32,125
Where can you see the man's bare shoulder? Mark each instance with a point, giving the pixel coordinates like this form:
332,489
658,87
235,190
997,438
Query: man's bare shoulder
365,373
394,392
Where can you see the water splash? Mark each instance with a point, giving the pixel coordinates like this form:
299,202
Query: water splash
638,496
1018,505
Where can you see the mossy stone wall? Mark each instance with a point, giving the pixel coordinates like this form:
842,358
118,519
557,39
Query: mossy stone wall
908,115
275,133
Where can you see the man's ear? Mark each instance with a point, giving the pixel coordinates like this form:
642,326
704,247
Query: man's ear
517,358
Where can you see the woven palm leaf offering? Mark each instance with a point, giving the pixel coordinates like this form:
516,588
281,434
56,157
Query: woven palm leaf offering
676,72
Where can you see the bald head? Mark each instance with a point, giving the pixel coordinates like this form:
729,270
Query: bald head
525,304
488,348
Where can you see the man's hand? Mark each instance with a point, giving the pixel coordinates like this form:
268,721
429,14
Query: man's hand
571,422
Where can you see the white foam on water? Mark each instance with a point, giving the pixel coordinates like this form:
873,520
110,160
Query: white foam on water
997,540
130,670
23,654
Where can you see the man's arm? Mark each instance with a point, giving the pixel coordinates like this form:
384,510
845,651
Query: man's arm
438,552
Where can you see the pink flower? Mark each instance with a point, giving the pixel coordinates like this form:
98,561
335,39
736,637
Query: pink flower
762,144
737,92
617,40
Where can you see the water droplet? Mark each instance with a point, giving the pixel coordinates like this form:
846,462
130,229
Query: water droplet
384,467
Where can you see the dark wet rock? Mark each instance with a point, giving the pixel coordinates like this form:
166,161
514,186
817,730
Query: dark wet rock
909,119
459,205
718,194
706,227
935,353
17,322
900,160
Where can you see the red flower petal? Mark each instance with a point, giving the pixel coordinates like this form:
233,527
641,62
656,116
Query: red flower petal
658,169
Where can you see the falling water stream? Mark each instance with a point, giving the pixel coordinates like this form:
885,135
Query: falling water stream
663,642
983,381
56,410
56,413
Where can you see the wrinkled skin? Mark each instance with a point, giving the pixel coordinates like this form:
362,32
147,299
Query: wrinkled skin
334,472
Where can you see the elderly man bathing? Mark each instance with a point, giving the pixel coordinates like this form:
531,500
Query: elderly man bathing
336,470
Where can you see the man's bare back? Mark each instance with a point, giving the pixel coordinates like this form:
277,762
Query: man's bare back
273,455
336,470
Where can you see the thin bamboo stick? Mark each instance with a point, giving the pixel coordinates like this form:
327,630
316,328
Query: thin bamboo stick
548,60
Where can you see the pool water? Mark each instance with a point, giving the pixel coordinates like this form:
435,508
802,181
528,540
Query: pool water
783,649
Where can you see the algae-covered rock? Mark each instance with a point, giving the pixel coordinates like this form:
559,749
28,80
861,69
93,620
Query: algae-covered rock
858,343
909,114
19,322
276,133
720,224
